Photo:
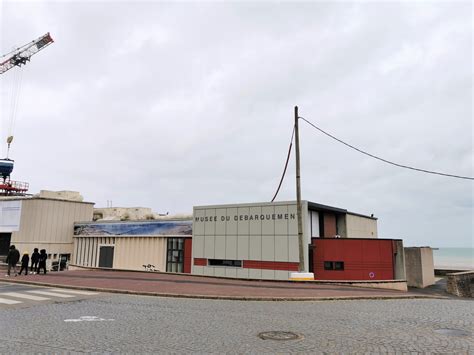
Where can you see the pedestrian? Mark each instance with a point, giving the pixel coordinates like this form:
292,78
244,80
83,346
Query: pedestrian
12,259
34,261
42,261
24,263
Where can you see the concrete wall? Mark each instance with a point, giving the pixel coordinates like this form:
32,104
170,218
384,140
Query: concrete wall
461,284
419,266
122,213
360,227
263,236
399,267
48,224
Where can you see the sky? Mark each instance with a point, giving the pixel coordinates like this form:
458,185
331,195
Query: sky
171,105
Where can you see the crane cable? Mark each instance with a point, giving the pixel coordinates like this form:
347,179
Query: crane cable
286,165
385,160
14,103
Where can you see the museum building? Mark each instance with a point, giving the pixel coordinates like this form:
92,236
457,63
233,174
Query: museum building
260,241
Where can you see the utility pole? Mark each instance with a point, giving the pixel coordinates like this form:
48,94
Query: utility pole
298,194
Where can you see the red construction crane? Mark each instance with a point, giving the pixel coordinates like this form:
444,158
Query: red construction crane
20,56
17,58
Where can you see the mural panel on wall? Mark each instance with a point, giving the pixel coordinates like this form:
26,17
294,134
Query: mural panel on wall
135,228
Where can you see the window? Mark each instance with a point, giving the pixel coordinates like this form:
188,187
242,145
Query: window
334,265
328,265
339,265
221,262
175,255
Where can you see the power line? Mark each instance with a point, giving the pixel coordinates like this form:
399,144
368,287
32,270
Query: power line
286,165
385,160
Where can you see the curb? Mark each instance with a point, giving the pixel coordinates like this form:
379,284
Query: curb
215,297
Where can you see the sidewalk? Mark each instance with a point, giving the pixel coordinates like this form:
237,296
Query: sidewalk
179,285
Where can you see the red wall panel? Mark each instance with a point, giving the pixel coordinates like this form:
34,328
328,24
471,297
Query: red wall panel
329,229
200,261
188,247
364,259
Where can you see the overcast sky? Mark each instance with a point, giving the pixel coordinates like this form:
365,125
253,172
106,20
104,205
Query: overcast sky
170,105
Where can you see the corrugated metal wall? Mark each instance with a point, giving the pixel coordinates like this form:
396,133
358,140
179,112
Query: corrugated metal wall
86,249
49,224
130,252
134,252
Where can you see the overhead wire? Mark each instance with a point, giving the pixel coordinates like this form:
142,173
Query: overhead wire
286,165
382,159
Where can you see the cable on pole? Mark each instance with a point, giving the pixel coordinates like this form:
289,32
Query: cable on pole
385,160
286,165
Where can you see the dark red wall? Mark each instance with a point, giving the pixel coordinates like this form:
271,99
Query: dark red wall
362,259
330,229
188,246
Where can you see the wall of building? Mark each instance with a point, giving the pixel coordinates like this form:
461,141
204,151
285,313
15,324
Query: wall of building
86,249
48,224
136,243
262,237
130,252
134,252
360,227
362,259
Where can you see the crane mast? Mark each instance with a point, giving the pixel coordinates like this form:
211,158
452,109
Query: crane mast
23,54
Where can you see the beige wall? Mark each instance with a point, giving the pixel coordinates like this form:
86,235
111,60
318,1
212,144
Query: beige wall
130,252
419,266
360,227
48,224
134,252
227,232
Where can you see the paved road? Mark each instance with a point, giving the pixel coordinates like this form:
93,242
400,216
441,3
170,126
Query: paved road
177,285
18,296
142,324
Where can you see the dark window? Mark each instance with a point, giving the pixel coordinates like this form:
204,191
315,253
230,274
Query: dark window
175,255
334,265
221,262
328,265
339,265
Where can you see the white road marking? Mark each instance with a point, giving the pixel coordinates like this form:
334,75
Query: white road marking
25,296
51,294
86,293
89,319
7,301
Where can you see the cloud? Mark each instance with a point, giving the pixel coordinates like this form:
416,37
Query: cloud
170,105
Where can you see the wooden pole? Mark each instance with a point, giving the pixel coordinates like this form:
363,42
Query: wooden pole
298,194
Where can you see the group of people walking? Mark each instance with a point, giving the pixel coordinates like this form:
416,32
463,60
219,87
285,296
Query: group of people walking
38,261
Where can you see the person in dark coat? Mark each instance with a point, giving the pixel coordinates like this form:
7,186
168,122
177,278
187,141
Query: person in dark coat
24,263
42,261
34,261
12,259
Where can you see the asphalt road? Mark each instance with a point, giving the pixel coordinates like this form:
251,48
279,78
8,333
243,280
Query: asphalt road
112,323
19,296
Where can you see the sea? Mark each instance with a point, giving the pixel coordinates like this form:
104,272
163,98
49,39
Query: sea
454,258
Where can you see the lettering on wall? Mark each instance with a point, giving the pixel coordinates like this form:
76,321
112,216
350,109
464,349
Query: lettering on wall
247,217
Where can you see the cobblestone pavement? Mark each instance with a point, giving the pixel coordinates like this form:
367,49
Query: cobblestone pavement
191,285
143,324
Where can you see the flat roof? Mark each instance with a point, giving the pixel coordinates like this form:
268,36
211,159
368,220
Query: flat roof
312,206
21,198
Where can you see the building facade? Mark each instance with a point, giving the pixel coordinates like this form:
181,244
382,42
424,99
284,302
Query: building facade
41,222
260,240
133,245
